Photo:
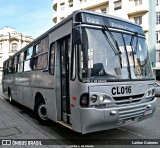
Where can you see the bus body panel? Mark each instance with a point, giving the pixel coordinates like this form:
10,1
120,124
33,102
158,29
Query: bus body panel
60,32
93,119
20,96
120,89
27,89
50,100
76,89
54,101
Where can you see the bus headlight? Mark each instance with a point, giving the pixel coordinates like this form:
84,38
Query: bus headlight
153,92
101,98
94,98
84,100
150,93
105,98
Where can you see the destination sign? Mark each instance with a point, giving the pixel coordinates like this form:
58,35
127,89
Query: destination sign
110,22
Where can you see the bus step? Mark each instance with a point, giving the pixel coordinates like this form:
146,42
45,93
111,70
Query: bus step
65,124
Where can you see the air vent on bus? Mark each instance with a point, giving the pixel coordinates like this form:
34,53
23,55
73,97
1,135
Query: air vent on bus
128,99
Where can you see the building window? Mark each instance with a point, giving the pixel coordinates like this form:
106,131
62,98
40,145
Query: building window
138,20
158,56
55,7
83,0
61,18
117,5
158,18
62,5
138,2
158,37
104,10
0,46
1,61
158,3
14,47
70,2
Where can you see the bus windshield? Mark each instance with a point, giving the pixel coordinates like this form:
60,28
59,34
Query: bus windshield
99,61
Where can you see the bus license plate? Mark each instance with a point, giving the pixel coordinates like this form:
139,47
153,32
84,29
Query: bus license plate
148,112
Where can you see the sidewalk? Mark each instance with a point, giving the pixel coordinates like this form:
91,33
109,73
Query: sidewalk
13,126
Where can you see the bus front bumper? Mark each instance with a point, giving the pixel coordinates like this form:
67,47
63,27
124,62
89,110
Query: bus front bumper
94,119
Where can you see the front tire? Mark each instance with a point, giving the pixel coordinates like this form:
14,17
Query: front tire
10,98
41,112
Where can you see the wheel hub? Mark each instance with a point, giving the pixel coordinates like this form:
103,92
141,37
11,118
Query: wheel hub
42,111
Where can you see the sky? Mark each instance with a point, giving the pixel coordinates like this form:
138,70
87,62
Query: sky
30,17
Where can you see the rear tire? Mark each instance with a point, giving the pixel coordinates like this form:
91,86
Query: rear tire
41,112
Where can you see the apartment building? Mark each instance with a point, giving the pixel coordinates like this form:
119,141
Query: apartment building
143,12
158,33
10,42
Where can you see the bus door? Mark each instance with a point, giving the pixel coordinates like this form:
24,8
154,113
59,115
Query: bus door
64,57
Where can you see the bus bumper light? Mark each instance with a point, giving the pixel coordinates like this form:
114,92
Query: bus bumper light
113,112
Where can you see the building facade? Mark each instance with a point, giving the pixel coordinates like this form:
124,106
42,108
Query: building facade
142,12
10,42
158,33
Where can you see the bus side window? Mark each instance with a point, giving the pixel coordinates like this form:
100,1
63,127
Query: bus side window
28,59
17,68
4,68
12,66
73,62
52,59
40,59
20,62
15,64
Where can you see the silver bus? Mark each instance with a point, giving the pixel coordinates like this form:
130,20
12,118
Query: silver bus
91,72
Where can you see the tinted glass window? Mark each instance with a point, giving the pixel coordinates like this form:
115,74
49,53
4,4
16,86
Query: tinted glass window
27,66
40,59
52,59
28,53
42,46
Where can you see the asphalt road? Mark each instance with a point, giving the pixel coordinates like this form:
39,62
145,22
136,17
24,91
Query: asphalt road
148,129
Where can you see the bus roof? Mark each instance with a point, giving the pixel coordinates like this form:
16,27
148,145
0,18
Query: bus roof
104,15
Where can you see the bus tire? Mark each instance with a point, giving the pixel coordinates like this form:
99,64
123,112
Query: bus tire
41,112
10,97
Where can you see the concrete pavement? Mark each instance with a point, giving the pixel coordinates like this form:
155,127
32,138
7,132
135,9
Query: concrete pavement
13,126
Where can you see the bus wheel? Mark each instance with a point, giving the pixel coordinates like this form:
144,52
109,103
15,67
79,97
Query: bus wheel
10,98
41,112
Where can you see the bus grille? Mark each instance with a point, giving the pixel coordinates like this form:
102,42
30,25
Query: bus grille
128,99
131,113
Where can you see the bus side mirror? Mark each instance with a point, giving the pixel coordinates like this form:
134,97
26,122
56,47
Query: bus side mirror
77,36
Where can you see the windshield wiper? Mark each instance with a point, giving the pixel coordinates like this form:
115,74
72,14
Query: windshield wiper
116,50
134,51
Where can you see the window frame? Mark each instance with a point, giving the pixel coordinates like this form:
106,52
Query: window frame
53,44
138,2
118,2
28,59
36,55
14,45
158,37
139,19
158,18
158,3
